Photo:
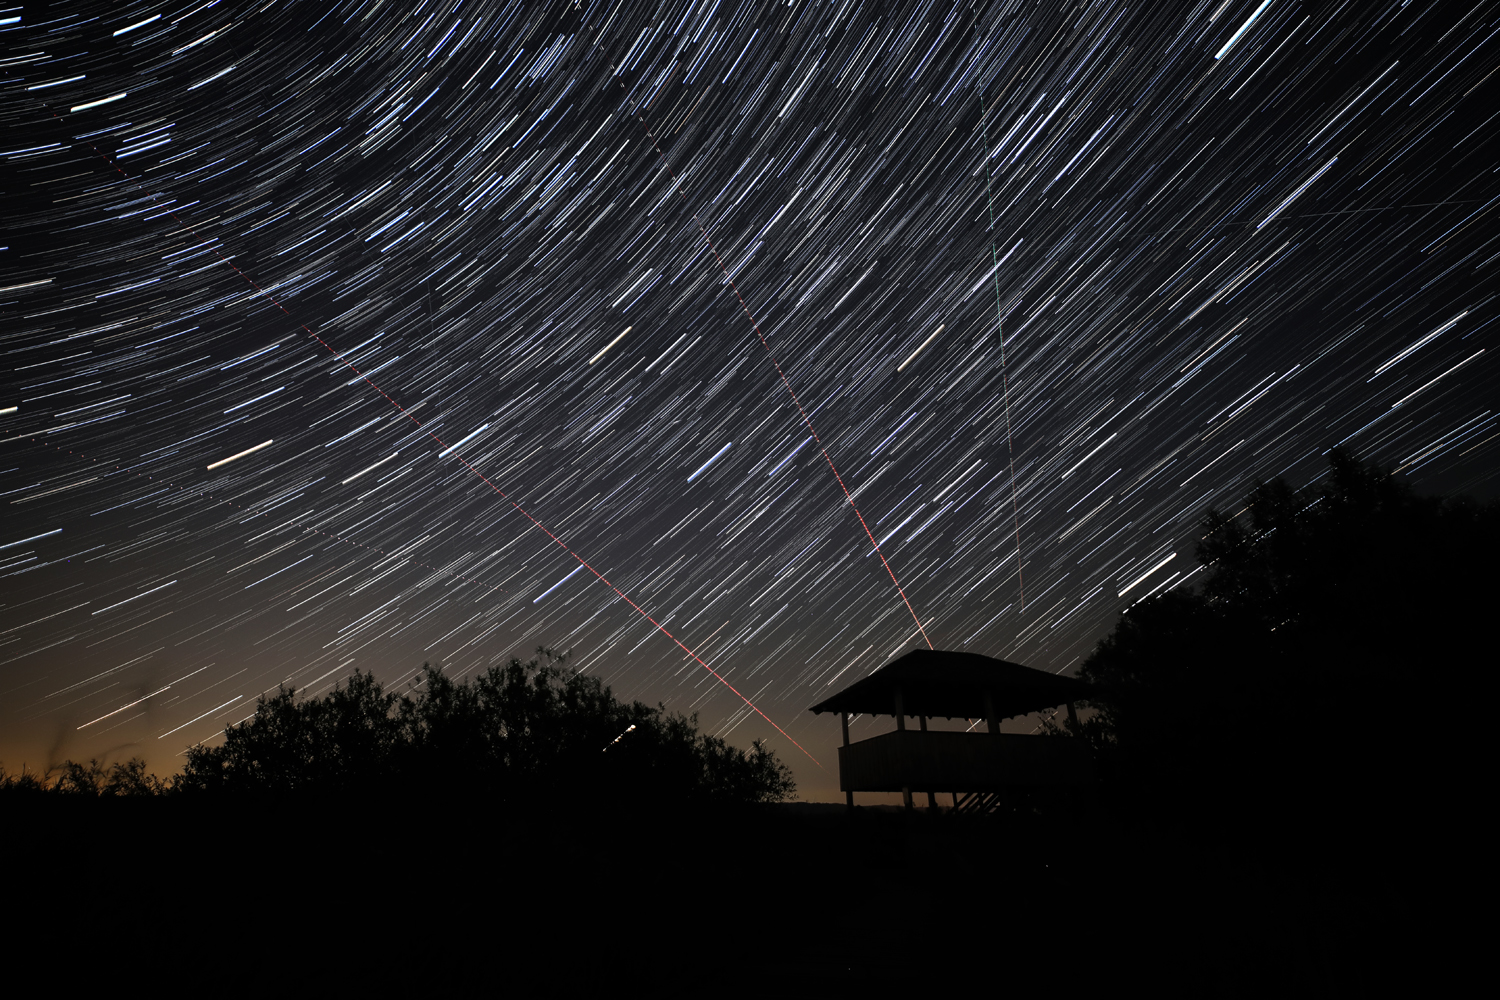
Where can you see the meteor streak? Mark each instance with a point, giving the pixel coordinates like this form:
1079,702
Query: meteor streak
1417,345
367,468
33,538
95,104
941,327
138,24
129,599
205,715
559,583
612,343
463,441
1243,28
1133,583
242,454
711,461
122,708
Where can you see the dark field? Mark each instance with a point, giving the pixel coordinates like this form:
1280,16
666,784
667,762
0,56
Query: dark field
796,898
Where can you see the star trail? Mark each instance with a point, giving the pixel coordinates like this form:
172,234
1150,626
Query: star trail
347,335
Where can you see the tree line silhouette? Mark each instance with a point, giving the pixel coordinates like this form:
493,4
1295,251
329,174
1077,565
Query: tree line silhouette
524,732
1306,680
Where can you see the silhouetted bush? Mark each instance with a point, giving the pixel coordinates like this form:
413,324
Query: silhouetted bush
1303,682
524,732
127,779
91,780
24,782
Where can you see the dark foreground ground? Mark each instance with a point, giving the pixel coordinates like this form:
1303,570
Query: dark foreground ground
795,900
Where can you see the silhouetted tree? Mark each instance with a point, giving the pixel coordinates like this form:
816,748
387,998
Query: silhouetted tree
1326,618
334,743
131,780
523,731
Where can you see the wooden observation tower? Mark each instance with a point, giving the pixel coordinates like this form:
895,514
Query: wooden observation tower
979,767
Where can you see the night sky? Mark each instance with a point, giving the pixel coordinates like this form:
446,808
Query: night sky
357,335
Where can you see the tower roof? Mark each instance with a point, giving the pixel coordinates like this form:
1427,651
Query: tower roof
953,685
